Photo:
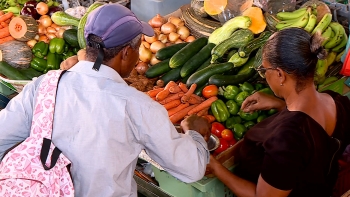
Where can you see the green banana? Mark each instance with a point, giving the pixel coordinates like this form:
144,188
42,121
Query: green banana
327,81
338,35
320,72
338,58
311,23
326,35
331,58
284,24
323,24
342,43
314,11
302,22
291,15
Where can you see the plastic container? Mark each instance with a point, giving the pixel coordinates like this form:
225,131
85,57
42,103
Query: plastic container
147,9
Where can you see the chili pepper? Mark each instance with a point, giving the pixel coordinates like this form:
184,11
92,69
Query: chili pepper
231,91
247,87
248,116
57,45
68,54
220,110
232,107
53,61
40,49
38,64
231,121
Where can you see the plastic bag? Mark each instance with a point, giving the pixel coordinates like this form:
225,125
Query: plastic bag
275,6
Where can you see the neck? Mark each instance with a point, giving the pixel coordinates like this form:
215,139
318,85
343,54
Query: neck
302,101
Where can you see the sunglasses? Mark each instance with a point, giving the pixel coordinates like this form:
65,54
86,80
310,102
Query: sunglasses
261,70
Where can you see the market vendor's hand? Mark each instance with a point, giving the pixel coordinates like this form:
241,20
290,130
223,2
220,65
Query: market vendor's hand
262,101
212,166
198,124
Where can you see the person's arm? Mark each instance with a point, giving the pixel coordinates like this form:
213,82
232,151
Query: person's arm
16,119
262,101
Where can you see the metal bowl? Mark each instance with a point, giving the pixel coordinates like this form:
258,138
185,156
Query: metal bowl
213,143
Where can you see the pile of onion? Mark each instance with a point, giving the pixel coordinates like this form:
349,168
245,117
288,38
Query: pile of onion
48,29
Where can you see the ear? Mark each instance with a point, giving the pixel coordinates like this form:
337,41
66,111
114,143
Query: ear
125,52
281,75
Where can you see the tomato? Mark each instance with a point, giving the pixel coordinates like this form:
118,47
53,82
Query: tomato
232,142
209,91
217,128
223,146
227,135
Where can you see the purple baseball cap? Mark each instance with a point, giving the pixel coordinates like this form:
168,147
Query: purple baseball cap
115,24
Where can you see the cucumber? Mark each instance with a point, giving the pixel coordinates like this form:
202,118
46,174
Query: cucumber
197,60
168,52
247,67
204,65
238,39
245,50
237,60
71,37
225,80
182,56
258,58
30,73
158,69
172,75
201,77
63,19
198,90
10,72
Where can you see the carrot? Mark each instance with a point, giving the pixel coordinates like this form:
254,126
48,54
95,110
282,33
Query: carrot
204,104
209,117
4,24
1,27
6,39
194,99
203,112
171,97
175,89
8,21
4,32
181,114
2,12
172,104
170,84
187,95
162,95
178,108
6,16
183,87
154,92
153,98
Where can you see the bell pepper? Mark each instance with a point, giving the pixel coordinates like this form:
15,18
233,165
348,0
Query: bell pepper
75,50
68,54
40,49
232,107
240,97
53,61
231,91
267,91
258,86
220,110
66,48
57,45
38,64
247,87
231,121
248,116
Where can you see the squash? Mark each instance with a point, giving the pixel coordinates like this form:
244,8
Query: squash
214,7
23,28
258,20
16,53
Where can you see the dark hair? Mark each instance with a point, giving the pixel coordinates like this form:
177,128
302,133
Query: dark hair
109,53
296,52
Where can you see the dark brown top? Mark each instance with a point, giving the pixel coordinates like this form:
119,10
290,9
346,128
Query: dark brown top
292,151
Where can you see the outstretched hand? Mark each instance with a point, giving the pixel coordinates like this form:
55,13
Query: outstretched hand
262,101
197,123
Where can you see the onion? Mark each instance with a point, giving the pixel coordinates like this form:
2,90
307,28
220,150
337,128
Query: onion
151,39
36,37
41,29
55,26
176,21
51,30
156,21
141,67
178,41
42,8
145,54
190,39
167,28
145,44
157,31
173,36
45,21
44,38
184,32
50,35
163,38
168,44
31,43
155,46
154,60
59,33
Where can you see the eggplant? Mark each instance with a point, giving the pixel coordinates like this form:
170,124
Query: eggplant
30,11
53,9
31,3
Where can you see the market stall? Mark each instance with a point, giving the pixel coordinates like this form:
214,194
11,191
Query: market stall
202,60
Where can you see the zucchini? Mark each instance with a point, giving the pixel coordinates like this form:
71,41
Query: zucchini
225,80
30,73
63,19
258,58
201,77
238,39
204,65
182,56
231,53
245,50
172,75
198,90
237,60
10,72
168,52
158,69
247,66
197,60
71,37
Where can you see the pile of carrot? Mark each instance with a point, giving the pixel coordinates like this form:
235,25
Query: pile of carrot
181,101
5,19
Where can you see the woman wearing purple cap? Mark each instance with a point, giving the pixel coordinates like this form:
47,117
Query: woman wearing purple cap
101,124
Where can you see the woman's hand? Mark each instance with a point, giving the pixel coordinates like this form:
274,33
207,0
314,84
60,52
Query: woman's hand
212,166
197,123
262,101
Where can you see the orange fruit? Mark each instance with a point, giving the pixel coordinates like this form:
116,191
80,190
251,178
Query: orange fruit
214,7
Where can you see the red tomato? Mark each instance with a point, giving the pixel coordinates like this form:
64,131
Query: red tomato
227,134
232,142
217,128
223,146
209,91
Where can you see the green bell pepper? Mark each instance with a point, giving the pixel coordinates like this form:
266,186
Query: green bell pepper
57,45
247,87
68,54
40,49
38,64
220,110
258,86
248,116
66,48
231,91
239,131
267,91
249,124
53,61
241,97
232,107
231,121
75,50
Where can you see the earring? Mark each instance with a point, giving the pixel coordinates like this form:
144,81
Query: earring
281,84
